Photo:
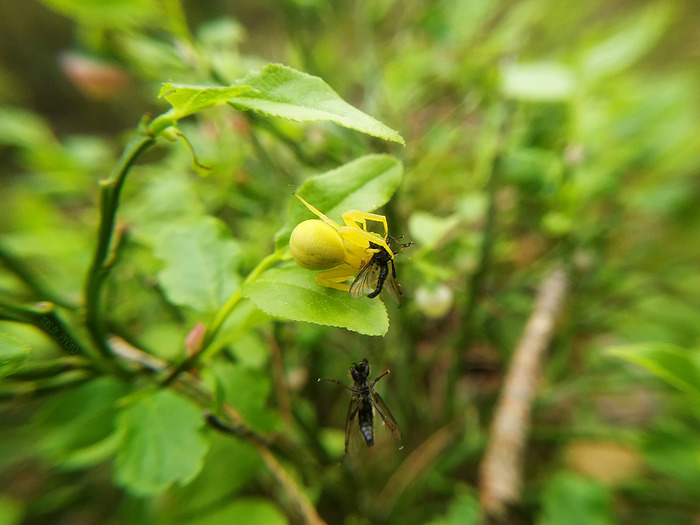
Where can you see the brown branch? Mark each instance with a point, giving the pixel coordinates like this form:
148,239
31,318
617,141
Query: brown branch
501,468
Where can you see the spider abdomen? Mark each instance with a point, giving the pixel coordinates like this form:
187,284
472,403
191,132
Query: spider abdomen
315,245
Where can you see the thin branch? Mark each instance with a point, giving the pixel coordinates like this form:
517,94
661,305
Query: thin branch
501,468
294,498
43,316
10,389
34,370
240,431
489,170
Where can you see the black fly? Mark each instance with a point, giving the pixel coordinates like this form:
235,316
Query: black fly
374,274
363,402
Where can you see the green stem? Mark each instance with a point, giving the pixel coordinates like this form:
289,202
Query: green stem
228,307
110,190
223,314
11,389
53,367
491,169
43,316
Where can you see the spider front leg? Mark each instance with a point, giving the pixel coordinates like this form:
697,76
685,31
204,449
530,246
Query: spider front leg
355,230
316,212
353,218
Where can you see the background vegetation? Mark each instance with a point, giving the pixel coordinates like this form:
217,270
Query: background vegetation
538,136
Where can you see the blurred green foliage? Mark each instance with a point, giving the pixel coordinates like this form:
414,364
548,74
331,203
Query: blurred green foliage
537,133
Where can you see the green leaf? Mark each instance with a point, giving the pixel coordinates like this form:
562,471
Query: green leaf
12,510
363,184
116,13
166,198
540,81
290,292
12,354
427,230
281,91
573,500
187,100
161,443
229,467
76,420
629,41
22,128
247,390
464,510
200,264
673,448
92,454
250,350
251,511
277,91
677,366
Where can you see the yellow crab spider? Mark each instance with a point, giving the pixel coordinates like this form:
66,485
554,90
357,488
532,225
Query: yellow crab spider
343,250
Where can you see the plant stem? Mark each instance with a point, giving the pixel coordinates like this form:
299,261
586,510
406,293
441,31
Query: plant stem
497,130
43,316
11,389
236,296
489,171
53,367
110,190
223,314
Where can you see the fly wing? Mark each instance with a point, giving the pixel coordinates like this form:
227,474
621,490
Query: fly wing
392,286
394,289
386,415
365,281
352,430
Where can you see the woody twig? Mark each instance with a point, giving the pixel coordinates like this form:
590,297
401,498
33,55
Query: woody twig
501,468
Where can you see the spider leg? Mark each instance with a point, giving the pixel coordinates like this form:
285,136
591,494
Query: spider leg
336,277
337,383
318,214
354,217
362,238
